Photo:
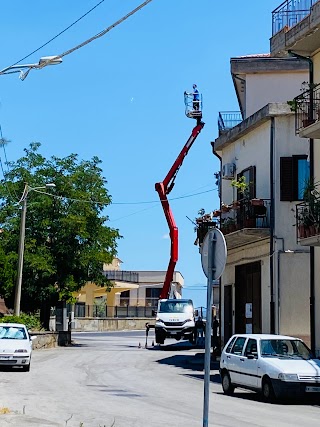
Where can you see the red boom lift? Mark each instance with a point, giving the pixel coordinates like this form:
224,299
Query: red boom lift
193,103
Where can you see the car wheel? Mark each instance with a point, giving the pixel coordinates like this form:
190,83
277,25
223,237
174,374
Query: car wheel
267,390
26,368
227,386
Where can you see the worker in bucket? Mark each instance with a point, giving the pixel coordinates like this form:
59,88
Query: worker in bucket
196,98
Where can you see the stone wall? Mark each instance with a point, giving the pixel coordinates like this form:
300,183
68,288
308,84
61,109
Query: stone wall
50,339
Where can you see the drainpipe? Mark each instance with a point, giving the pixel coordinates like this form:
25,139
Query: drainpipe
220,160
311,157
272,220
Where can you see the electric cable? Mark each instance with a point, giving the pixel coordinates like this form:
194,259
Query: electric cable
61,32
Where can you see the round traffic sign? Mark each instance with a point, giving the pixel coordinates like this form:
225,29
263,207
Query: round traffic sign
218,260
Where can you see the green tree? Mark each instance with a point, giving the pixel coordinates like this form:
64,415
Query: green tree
67,240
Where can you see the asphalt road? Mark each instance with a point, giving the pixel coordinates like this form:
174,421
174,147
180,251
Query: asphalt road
106,380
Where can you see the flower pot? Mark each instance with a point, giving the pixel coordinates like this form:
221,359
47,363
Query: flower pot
250,223
301,232
257,202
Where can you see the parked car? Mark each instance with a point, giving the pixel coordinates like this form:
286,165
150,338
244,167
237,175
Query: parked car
15,345
278,366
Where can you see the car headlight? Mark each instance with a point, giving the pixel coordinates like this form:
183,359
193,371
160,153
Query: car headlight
21,350
188,320
288,377
159,320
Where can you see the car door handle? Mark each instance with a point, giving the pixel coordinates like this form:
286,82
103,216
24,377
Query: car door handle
228,357
241,360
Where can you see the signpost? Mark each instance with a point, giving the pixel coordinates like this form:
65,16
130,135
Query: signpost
213,259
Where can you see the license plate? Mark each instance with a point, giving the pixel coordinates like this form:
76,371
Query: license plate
313,389
5,357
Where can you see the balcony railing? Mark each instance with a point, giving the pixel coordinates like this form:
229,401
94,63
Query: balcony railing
248,214
307,108
308,223
227,120
122,276
289,13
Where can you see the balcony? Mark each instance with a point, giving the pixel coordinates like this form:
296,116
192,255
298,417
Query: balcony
307,113
295,25
308,223
248,222
227,120
122,276
289,13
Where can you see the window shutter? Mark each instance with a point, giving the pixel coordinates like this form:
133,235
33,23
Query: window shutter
286,179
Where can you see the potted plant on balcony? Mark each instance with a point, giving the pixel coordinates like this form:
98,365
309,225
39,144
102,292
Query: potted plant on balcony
309,215
228,225
245,213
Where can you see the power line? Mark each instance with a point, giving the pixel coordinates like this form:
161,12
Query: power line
102,33
61,32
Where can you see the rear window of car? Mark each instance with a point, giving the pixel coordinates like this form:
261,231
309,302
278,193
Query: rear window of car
238,345
229,346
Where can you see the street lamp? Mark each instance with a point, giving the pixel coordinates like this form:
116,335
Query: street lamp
23,200
43,62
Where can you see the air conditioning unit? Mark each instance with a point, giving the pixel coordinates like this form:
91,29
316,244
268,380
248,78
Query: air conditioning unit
228,171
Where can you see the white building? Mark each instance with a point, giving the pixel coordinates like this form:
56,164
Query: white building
265,284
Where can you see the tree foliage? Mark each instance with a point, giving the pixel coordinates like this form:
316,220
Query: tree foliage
67,240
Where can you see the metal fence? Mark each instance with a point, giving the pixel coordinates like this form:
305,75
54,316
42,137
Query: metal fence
307,108
289,13
227,120
82,310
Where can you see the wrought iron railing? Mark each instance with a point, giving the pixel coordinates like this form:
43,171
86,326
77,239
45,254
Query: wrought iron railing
306,107
254,213
289,13
228,119
308,219
122,276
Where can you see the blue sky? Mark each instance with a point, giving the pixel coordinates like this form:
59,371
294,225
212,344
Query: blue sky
121,98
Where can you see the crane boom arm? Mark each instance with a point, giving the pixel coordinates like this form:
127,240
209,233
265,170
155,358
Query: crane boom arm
163,189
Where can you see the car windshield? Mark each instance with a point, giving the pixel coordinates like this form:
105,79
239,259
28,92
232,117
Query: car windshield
285,348
12,333
176,306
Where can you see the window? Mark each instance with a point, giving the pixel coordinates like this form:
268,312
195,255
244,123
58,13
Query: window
124,298
228,349
238,346
294,172
250,178
152,296
251,347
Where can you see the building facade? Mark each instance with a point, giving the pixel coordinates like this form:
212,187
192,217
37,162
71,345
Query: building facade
264,166
296,33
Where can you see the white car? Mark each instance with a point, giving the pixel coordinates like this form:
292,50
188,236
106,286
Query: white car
15,345
277,365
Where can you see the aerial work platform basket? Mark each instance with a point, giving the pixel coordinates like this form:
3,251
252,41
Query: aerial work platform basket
193,105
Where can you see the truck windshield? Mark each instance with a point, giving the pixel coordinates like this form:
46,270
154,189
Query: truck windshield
176,306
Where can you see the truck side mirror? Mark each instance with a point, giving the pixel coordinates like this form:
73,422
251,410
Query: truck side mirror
196,312
153,313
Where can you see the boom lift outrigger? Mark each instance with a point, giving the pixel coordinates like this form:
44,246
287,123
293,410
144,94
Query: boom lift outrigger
164,188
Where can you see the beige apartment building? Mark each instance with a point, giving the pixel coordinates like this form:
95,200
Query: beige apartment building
264,165
296,32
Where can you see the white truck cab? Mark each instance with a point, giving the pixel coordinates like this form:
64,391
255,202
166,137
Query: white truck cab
175,319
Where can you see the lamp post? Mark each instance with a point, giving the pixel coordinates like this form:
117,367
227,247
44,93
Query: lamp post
26,191
43,62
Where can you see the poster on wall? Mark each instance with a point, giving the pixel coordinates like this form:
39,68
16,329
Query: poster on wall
249,328
248,310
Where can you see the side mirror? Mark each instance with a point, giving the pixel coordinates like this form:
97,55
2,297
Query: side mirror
196,312
154,313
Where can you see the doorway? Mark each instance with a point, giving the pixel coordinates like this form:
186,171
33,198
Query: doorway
248,298
227,318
